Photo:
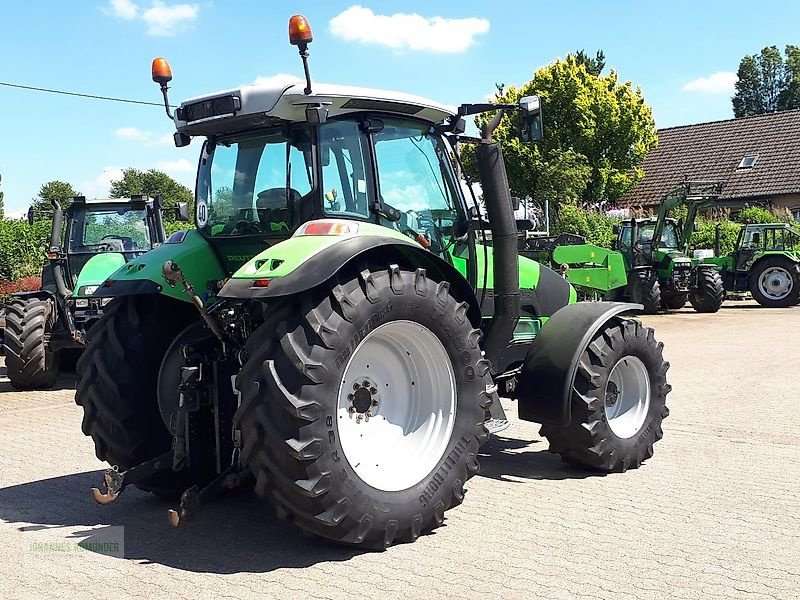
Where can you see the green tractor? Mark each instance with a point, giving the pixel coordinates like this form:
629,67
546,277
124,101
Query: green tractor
660,273
765,262
333,332
89,241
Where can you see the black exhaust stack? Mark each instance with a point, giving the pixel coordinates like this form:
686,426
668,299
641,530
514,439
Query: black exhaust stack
57,250
497,199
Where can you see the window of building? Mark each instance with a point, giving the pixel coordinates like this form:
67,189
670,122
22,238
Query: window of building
796,213
748,161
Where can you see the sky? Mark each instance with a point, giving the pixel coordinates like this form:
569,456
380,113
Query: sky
683,54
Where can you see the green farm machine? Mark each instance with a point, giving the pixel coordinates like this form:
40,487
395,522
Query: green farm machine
332,330
656,274
765,262
89,240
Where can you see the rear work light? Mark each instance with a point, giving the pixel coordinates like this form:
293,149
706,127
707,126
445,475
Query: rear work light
260,283
328,227
211,107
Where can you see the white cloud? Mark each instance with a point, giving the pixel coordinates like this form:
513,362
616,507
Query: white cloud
122,9
98,187
176,166
162,20
721,82
277,79
134,134
165,20
404,31
16,214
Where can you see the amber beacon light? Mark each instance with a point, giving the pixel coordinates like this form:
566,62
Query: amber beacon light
162,73
299,31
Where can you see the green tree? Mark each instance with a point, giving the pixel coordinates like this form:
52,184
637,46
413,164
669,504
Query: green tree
594,65
2,205
597,131
151,183
767,83
60,191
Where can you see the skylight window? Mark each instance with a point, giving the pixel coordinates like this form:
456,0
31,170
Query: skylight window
748,162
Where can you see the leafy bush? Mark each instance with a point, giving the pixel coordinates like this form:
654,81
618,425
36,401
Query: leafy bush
705,235
757,214
596,227
22,248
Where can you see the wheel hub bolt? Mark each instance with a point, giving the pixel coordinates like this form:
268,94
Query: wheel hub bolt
363,400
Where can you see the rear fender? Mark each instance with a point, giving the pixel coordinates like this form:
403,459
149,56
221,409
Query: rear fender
325,256
544,391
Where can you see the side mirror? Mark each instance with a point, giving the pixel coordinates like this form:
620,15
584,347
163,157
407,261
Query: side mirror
30,216
530,119
182,211
515,203
615,230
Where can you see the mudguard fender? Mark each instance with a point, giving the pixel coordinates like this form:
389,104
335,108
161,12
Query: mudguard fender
321,266
544,390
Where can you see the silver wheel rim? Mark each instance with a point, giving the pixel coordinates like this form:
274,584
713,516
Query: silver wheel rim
396,405
627,397
775,283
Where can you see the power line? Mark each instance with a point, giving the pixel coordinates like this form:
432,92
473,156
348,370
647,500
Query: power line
79,95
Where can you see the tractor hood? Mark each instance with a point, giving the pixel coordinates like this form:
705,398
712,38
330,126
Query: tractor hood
666,255
143,274
96,271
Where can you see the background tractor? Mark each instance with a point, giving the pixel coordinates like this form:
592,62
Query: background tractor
333,330
765,262
89,240
655,250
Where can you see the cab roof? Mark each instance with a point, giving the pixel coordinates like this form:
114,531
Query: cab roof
261,104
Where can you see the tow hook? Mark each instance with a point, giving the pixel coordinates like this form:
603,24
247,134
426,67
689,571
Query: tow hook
115,481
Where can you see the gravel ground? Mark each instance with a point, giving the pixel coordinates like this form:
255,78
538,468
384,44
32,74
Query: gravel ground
714,514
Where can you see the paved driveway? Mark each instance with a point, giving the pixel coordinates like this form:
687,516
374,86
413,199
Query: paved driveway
715,514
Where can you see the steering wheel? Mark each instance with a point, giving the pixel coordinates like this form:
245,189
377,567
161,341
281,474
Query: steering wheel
243,226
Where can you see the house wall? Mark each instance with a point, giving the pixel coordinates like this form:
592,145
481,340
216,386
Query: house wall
788,201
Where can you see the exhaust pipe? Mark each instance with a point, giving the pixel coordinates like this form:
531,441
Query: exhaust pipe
55,247
497,198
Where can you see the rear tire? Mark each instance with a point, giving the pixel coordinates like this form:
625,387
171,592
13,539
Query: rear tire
117,385
30,364
709,294
302,446
774,284
646,290
618,401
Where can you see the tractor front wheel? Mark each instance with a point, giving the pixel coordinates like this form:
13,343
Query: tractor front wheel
674,301
30,364
709,294
646,290
773,283
618,401
363,407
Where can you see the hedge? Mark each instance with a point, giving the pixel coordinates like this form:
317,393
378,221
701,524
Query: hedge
22,248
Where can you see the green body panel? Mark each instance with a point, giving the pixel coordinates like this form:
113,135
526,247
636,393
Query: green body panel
592,267
97,269
284,257
528,269
194,256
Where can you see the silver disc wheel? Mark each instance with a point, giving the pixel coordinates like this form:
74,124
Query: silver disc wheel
627,397
776,283
397,405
